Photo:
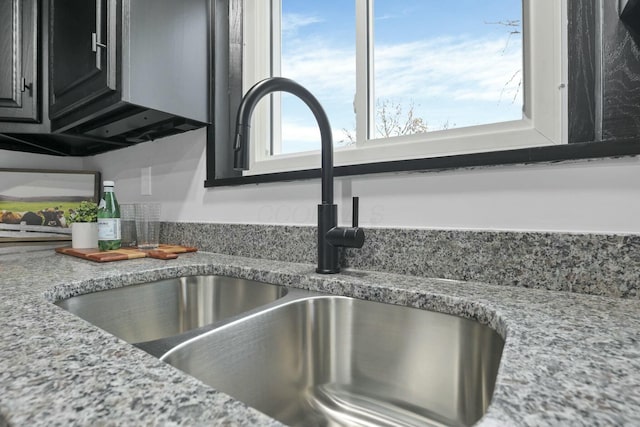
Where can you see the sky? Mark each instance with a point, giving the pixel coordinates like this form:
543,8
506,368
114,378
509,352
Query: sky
452,60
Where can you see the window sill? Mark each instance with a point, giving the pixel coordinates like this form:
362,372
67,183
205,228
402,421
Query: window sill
554,153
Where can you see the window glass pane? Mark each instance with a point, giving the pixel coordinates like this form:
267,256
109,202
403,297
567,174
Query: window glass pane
317,51
442,64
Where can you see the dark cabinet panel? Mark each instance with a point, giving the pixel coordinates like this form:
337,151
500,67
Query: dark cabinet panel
18,60
82,62
582,72
620,75
128,70
630,15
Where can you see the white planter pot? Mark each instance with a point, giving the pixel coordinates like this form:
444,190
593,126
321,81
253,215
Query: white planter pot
84,235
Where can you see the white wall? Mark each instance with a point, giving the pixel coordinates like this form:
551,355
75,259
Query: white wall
587,196
18,160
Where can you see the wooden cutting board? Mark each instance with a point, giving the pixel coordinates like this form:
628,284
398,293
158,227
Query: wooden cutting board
162,252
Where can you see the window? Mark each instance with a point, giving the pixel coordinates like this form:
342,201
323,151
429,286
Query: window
405,79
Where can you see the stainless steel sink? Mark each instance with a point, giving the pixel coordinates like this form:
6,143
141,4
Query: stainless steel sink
329,361
167,308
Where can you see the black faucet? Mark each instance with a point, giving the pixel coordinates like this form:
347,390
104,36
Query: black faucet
330,236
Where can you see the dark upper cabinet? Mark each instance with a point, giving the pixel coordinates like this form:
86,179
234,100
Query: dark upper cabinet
81,77
82,61
19,88
129,70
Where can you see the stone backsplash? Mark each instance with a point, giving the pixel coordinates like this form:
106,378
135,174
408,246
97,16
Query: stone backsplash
597,264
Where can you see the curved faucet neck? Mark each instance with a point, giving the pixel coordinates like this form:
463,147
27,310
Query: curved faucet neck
280,84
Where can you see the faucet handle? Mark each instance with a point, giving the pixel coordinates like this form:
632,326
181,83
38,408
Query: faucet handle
347,237
355,211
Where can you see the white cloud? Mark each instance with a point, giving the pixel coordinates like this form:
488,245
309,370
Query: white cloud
297,132
458,79
292,22
464,69
331,70
387,17
298,137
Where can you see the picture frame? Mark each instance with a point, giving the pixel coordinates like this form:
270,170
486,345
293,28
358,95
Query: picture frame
33,203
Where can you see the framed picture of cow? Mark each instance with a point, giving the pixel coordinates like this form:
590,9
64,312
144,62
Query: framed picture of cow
34,203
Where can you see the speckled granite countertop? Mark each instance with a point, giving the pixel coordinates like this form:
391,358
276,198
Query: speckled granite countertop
568,360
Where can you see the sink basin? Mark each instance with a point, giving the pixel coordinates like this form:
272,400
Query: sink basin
330,361
165,308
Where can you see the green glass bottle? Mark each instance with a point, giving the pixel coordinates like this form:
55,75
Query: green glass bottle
108,219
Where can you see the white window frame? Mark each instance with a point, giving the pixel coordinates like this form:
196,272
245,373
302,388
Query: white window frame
544,119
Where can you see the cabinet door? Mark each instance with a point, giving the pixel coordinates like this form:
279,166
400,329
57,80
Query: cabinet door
18,60
83,48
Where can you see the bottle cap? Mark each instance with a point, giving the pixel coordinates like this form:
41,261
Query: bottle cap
109,184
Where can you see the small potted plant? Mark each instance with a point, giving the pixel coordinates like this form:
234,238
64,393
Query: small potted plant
84,225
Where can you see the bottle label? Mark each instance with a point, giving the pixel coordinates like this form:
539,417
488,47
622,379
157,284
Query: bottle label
108,228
